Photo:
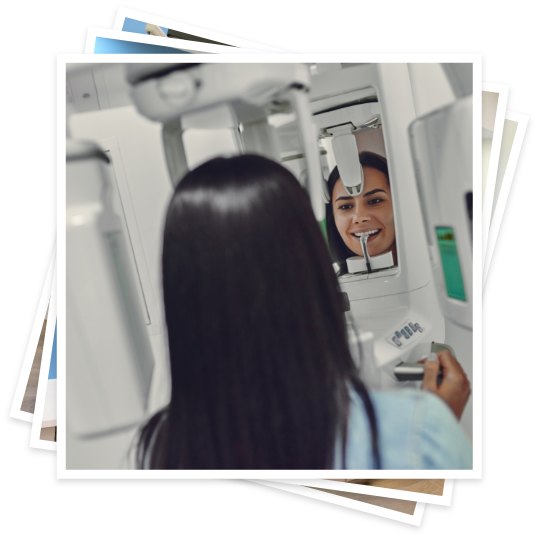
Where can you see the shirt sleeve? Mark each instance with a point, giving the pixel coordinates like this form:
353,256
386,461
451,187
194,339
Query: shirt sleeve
438,442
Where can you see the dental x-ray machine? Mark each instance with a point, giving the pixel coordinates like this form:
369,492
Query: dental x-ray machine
309,118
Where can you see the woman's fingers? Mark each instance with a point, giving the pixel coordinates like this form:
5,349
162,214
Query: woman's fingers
455,387
453,372
430,378
449,362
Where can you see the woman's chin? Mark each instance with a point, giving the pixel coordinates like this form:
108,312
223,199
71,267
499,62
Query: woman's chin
374,252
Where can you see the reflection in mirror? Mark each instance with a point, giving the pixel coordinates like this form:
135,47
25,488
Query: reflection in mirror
361,229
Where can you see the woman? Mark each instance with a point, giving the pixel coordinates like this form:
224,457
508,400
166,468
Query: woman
262,377
371,212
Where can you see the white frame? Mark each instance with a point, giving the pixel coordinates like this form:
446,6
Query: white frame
503,92
444,499
33,341
192,47
188,29
44,374
414,519
507,181
62,472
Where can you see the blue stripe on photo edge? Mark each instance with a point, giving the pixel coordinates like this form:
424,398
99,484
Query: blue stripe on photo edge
137,27
52,369
105,45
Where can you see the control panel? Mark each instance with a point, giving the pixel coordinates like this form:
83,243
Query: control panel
405,334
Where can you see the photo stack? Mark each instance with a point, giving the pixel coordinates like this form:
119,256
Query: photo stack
267,266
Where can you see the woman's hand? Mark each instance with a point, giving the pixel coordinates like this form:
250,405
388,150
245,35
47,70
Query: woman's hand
454,388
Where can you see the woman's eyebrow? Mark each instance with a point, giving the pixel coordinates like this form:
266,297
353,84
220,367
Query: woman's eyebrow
373,191
343,198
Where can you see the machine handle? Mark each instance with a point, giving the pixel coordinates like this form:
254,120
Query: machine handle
300,103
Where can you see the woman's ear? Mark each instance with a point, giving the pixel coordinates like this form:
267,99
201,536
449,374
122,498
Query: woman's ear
325,190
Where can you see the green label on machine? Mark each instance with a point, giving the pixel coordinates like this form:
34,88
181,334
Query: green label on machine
454,283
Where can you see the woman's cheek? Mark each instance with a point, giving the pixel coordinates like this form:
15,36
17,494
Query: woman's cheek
391,224
341,226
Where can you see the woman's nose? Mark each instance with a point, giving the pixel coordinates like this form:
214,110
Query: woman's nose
360,216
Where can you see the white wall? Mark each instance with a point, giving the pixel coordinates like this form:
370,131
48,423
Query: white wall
201,145
371,140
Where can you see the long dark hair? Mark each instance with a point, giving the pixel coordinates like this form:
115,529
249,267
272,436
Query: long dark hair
260,365
338,249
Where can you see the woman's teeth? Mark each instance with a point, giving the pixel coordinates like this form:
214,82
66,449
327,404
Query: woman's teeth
367,232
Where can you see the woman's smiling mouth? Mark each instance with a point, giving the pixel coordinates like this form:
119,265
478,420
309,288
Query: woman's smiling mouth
372,233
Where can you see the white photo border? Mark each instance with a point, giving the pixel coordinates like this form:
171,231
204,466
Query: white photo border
444,499
62,472
486,213
192,47
33,341
414,519
35,441
507,180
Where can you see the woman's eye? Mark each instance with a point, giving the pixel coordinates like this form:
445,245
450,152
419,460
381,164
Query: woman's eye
345,207
373,201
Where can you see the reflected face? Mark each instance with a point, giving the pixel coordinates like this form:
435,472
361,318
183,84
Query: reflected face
372,211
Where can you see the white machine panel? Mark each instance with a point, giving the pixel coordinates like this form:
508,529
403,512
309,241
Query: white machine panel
442,147
109,359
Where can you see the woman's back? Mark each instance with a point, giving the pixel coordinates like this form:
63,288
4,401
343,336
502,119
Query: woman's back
416,429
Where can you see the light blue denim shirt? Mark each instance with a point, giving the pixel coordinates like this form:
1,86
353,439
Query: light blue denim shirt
416,429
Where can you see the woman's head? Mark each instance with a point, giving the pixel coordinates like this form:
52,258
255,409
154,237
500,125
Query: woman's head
258,349
371,212
242,229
